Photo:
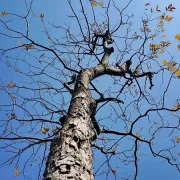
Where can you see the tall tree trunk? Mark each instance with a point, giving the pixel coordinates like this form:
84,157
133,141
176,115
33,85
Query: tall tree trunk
70,153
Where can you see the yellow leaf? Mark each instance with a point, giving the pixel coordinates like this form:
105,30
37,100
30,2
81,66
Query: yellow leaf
177,37
16,172
44,130
168,18
101,3
42,15
138,134
166,63
172,69
153,47
163,36
4,13
11,84
177,73
94,3
177,139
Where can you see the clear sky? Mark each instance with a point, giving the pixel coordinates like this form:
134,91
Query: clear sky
58,12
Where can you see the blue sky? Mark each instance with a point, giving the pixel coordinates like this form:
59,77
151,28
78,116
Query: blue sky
56,12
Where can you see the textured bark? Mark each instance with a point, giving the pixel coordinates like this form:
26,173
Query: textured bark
70,153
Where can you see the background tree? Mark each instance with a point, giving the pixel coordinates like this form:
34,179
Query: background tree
100,83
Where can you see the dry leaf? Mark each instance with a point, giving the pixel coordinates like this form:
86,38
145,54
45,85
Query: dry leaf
16,171
101,3
170,8
94,3
44,130
163,36
157,9
28,46
177,139
4,13
168,18
114,171
13,116
161,50
178,46
166,63
177,73
156,56
42,15
176,107
138,134
147,4
165,43
177,37
153,47
11,84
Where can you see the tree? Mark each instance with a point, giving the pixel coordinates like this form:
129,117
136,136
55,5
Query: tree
97,83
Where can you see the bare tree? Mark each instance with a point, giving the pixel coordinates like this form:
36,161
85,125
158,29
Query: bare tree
94,84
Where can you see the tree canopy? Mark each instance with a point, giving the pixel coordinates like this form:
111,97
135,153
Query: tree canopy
46,45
